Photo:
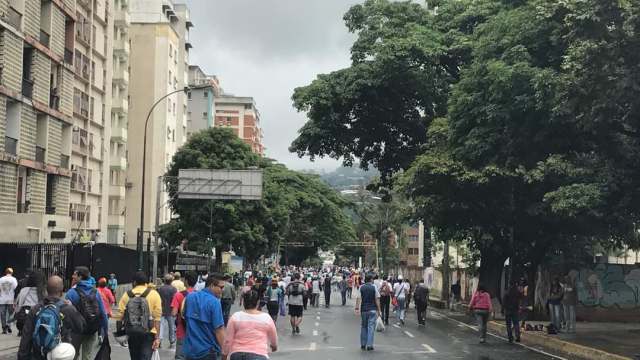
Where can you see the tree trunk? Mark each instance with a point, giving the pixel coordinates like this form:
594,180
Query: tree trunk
491,266
446,276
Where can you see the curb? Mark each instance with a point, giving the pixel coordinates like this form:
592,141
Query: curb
558,345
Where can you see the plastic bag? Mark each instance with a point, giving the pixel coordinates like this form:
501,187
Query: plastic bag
156,355
380,324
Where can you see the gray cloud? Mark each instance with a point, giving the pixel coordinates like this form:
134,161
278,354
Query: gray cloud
266,48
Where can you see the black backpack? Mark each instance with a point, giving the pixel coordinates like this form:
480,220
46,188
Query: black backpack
137,316
295,289
89,308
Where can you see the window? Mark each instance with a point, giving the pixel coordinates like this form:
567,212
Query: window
175,83
174,108
205,94
170,76
168,133
228,121
170,50
173,135
169,105
205,114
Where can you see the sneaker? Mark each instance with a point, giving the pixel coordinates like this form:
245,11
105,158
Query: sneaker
298,329
172,346
369,348
363,347
9,329
402,322
510,340
518,340
293,331
482,341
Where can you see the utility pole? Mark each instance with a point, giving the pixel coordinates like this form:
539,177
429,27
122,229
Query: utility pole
156,240
446,276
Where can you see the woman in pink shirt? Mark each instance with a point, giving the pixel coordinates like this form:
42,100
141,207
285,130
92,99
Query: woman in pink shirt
481,306
250,333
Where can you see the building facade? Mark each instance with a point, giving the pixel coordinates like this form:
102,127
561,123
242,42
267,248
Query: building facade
119,119
159,56
36,119
93,72
241,115
200,103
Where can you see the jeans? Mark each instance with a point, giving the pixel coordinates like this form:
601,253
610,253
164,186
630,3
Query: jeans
570,317
385,301
246,356
368,327
513,323
226,309
273,307
88,346
211,356
168,324
343,293
482,316
555,315
421,309
179,344
140,346
5,314
401,309
327,298
349,291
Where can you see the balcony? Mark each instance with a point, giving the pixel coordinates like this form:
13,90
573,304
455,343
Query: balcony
122,49
68,56
122,19
44,38
118,162
13,18
119,134
10,145
41,154
121,78
85,3
116,220
27,88
117,191
120,106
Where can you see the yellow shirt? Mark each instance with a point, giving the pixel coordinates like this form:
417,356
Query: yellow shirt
153,298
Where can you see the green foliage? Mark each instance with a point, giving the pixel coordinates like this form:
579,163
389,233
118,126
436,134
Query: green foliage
295,207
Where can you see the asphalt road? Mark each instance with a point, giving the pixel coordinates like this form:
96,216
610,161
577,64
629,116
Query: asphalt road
334,333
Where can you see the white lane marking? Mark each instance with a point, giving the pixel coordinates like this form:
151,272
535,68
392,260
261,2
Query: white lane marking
317,317
412,352
429,348
475,328
409,334
317,324
312,347
315,332
396,326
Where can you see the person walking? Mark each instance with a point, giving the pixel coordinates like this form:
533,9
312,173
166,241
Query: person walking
176,312
368,305
86,299
167,321
72,323
556,293
349,286
177,281
307,292
107,296
274,295
385,300
112,284
204,321
342,286
315,292
421,299
8,285
294,291
228,298
141,311
511,304
400,291
569,303
29,296
326,286
480,305
250,333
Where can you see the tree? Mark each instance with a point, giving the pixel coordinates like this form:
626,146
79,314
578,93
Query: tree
295,207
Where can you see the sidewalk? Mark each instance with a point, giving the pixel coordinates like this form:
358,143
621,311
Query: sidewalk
611,341
9,345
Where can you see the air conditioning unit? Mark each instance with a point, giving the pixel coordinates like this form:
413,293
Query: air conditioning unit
74,167
128,184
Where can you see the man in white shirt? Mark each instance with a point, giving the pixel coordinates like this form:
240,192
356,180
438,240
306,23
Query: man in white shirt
400,291
8,285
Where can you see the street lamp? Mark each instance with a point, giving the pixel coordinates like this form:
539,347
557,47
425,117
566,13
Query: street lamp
139,243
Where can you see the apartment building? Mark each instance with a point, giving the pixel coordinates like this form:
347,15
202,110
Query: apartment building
240,114
93,70
36,118
200,102
159,34
119,120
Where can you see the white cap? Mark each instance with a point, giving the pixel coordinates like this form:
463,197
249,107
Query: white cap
399,277
64,351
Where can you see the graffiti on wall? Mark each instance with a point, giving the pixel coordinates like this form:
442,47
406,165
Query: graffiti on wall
609,286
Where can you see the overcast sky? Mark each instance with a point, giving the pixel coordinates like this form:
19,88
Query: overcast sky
265,49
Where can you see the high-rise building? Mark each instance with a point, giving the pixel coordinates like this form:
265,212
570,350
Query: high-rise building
159,34
93,69
119,120
200,103
240,114
36,119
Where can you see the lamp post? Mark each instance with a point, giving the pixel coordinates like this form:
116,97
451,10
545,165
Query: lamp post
140,240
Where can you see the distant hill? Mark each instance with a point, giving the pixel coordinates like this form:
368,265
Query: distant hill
345,178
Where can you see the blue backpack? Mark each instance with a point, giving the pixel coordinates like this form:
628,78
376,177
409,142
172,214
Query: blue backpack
48,327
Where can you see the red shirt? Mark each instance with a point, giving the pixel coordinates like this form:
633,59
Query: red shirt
176,303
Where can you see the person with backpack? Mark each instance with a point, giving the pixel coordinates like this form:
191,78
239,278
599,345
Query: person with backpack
141,311
89,303
368,307
275,296
176,311
400,291
295,291
228,298
511,303
385,300
421,299
168,322
481,306
50,326
204,321
29,296
342,286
